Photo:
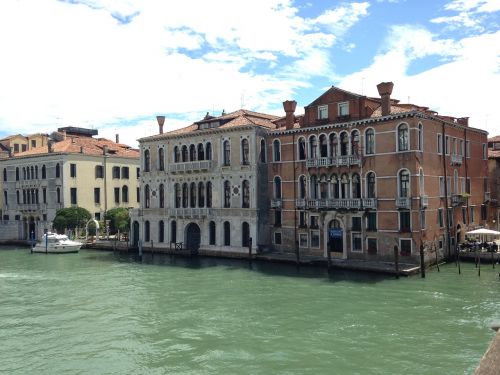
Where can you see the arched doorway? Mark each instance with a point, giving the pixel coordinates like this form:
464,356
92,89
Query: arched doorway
32,228
335,237
135,234
193,237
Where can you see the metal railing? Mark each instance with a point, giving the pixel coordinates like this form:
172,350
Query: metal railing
456,159
457,200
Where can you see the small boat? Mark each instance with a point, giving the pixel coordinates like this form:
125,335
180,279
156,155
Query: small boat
56,244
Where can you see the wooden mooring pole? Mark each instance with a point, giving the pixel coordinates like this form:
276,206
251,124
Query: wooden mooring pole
297,255
396,261
422,261
479,265
250,248
458,261
152,250
140,250
437,258
329,255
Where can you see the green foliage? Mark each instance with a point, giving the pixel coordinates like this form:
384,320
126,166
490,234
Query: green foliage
70,218
119,220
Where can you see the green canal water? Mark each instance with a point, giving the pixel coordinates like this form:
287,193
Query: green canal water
100,313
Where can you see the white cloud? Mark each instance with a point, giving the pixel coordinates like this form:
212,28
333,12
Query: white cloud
342,18
471,13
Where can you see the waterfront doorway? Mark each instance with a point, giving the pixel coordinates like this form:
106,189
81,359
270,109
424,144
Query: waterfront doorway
135,234
336,236
193,237
32,229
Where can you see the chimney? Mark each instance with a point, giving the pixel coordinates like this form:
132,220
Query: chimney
64,135
105,149
161,121
73,140
463,121
385,91
117,138
289,107
81,149
51,146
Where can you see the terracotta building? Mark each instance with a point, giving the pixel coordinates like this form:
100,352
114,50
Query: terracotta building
494,181
359,175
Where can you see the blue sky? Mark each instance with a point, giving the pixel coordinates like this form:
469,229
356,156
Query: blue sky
116,64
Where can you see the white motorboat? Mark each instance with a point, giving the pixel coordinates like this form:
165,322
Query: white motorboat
56,244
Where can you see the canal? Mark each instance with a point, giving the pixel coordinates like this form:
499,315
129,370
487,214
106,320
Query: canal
101,313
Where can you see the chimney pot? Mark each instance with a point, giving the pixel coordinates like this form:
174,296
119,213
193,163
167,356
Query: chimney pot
289,107
385,91
117,138
64,134
105,149
161,121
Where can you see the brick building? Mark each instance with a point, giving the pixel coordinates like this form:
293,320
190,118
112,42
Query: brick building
494,181
363,174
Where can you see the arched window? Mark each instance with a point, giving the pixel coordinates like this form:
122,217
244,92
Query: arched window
18,197
201,152
420,137
192,153
334,144
323,146
161,159
177,195
421,181
245,234
173,231
302,148
245,152
276,150
192,194
277,187
302,187
58,195
344,143
262,151
313,187
58,171
211,233
146,196
245,203
209,194
162,196
226,149
177,154
125,193
455,182
404,183
32,173
208,151
227,233
355,142
403,138
161,231
147,232
356,186
369,141
323,187
36,172
185,196
25,198
313,147
371,185
335,186
344,187
201,194
5,174
44,171
147,160
227,194
17,173
184,154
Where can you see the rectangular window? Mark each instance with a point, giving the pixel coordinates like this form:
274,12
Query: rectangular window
447,145
467,149
138,172
450,218
24,148
116,172
97,216
277,218
441,186
322,112
356,242
343,109
33,143
72,170
302,219
277,238
16,147
404,221
439,144
372,246
484,212
138,194
461,148
356,223
422,219
440,218
74,199
97,195
371,221
117,195
472,218
125,172
303,240
485,152
315,238
464,215
405,246
314,222
99,171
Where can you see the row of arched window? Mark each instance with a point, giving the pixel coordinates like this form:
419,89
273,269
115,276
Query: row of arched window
212,233
32,172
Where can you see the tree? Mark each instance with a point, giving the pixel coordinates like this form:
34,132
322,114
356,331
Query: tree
71,218
119,220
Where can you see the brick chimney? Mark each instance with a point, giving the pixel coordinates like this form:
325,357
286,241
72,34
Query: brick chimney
463,121
385,91
105,150
64,135
50,145
161,121
117,138
289,107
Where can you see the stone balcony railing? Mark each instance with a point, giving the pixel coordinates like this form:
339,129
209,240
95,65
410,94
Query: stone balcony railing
191,166
403,202
336,203
333,161
458,200
456,159
276,203
190,212
424,201
25,207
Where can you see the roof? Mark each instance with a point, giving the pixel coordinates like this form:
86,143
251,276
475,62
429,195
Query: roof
241,117
493,154
494,139
86,146
333,88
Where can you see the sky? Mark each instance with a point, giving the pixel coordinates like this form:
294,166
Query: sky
113,65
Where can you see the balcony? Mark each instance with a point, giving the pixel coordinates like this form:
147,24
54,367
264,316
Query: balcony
347,204
276,203
458,200
456,159
403,202
190,212
192,166
300,203
369,203
424,201
31,207
334,161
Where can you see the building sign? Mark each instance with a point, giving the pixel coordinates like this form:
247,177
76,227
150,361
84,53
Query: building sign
335,233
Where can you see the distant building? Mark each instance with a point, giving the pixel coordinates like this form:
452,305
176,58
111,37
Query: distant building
494,181
71,168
